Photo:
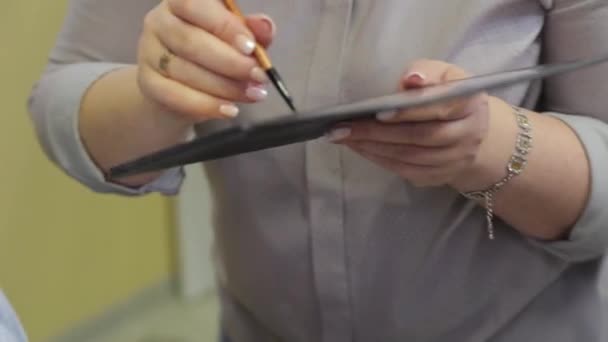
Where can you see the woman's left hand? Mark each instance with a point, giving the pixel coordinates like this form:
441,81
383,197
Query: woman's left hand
428,146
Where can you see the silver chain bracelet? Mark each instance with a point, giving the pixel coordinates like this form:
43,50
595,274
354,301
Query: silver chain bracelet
516,165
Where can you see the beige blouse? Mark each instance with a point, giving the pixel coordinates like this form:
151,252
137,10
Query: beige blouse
314,243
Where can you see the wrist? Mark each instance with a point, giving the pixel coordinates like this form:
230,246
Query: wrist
494,152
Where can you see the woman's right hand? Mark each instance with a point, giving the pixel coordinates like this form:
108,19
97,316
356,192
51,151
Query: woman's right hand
195,59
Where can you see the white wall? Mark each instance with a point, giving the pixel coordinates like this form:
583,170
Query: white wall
195,234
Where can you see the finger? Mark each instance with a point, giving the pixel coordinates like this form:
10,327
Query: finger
424,73
415,155
191,104
386,163
415,174
198,78
428,133
212,16
418,175
262,27
202,48
454,109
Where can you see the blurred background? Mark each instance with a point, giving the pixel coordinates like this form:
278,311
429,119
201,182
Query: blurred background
79,266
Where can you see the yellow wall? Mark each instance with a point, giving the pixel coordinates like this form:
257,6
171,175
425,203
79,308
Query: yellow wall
65,254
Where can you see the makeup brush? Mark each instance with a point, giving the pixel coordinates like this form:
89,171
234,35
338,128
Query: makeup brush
264,61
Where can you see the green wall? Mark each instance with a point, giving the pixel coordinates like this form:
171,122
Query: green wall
66,254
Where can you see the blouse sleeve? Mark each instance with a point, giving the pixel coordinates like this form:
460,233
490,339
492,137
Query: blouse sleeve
579,29
97,37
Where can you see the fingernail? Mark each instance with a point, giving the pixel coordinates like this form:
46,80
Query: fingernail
386,116
338,134
258,75
229,110
245,44
415,77
271,26
256,93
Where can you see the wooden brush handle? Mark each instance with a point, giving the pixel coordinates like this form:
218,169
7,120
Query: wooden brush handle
233,7
259,51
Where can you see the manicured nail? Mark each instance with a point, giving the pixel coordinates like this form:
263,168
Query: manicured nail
245,44
415,77
229,110
256,93
266,19
386,116
338,134
258,75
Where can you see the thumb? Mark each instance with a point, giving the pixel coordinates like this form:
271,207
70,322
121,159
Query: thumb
262,27
424,73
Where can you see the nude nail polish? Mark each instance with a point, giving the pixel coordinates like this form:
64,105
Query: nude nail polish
256,93
245,44
229,110
269,22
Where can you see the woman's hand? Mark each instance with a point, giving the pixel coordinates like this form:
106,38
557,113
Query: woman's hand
429,146
195,59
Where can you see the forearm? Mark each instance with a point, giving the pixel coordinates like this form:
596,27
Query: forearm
546,199
117,123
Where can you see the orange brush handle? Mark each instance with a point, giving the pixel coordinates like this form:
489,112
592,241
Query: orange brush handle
259,51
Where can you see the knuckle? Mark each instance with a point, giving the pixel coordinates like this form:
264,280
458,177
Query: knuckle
142,49
184,73
149,22
223,27
182,6
189,6
185,41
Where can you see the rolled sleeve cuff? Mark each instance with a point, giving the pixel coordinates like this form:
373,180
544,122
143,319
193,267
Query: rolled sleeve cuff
589,237
56,112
